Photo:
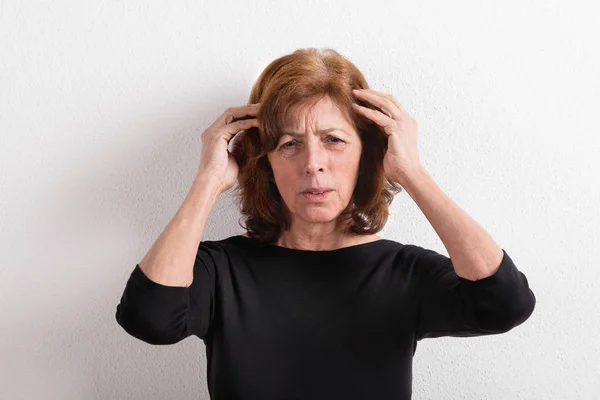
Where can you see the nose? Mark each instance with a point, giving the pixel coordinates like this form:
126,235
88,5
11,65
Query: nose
315,157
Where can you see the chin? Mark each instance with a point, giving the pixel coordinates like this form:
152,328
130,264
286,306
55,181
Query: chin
319,215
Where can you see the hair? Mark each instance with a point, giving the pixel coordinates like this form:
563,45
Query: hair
294,81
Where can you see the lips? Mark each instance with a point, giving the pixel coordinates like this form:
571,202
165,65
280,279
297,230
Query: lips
316,197
317,190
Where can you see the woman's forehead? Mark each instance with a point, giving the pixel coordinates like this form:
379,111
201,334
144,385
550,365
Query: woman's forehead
318,114
317,131
317,124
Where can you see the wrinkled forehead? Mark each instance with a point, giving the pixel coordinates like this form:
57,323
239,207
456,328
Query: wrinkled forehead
316,115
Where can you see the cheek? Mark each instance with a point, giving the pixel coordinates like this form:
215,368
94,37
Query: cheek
347,172
346,164
285,180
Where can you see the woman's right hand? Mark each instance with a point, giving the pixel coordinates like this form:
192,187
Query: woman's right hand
216,161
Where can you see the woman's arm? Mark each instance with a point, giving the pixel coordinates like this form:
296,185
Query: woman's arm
474,253
170,293
450,305
170,260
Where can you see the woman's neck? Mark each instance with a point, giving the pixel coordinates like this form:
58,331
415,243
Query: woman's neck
323,242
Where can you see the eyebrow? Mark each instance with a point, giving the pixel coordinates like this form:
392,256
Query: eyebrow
320,132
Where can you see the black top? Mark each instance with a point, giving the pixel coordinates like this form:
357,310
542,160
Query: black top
281,323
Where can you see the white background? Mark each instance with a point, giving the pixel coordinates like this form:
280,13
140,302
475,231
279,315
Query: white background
102,105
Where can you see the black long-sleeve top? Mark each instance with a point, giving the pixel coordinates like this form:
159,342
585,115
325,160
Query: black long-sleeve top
281,323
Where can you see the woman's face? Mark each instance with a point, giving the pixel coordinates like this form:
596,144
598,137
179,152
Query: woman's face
322,150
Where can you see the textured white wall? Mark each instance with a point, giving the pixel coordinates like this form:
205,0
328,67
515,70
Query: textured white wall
101,110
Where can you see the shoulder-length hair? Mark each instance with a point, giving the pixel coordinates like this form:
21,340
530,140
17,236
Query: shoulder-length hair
298,80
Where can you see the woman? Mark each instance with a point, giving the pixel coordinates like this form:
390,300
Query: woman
311,303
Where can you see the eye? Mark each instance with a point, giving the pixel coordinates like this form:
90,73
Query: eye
336,140
285,145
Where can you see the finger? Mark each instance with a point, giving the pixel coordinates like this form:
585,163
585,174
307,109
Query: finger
387,106
396,102
378,93
374,115
252,110
390,98
235,113
230,130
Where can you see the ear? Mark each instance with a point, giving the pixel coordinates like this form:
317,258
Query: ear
239,148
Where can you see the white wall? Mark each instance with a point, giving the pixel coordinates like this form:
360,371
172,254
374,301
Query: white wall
101,109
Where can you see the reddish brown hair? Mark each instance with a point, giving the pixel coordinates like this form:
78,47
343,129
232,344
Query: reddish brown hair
298,80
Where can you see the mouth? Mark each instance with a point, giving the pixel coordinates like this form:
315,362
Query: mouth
317,195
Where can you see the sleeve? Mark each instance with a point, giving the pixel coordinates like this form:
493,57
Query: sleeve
159,314
449,305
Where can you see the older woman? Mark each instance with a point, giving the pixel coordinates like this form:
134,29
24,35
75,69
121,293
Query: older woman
311,303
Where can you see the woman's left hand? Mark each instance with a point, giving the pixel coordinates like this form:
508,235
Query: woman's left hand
401,157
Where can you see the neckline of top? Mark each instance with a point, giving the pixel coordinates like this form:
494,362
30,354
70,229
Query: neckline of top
288,249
